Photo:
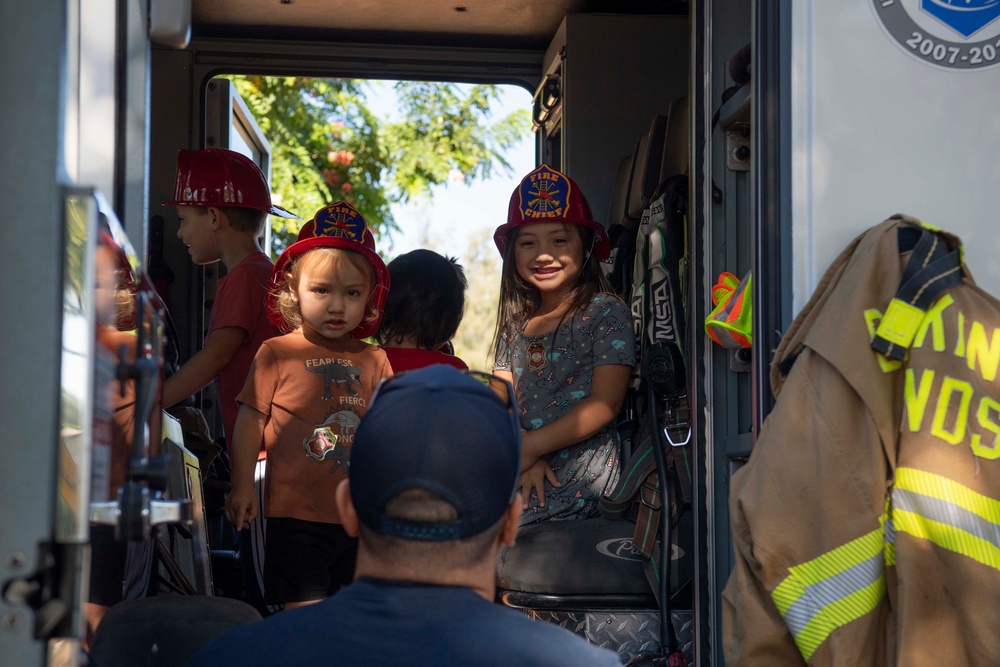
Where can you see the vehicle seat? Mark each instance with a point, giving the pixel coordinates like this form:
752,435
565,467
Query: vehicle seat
675,146
618,210
164,630
646,173
585,576
605,568
621,229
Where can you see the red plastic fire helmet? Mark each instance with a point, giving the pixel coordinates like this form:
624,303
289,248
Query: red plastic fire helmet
548,195
221,177
338,225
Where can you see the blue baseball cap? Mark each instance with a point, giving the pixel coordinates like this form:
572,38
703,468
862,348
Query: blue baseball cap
445,431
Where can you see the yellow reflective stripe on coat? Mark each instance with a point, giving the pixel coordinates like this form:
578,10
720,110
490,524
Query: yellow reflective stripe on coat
948,514
833,589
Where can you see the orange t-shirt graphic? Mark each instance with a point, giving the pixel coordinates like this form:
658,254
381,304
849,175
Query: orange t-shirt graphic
314,392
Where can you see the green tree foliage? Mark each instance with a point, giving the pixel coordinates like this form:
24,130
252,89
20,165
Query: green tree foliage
443,131
328,145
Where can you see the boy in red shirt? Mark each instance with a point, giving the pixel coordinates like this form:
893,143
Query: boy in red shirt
223,201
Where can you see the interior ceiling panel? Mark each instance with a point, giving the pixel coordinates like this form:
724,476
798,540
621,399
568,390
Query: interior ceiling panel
516,23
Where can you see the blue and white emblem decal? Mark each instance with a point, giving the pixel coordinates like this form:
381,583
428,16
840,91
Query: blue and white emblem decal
952,34
963,16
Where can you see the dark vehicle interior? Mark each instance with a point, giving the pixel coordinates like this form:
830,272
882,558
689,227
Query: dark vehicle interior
619,105
611,107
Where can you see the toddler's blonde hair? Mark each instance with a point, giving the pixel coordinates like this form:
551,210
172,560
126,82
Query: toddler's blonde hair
324,260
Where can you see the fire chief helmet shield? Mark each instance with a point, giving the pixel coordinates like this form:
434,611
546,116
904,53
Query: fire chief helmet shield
221,177
547,195
337,225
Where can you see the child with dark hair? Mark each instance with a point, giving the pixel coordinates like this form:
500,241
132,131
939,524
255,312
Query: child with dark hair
423,310
564,341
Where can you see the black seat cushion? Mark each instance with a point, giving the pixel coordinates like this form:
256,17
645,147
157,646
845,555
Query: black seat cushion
573,558
164,631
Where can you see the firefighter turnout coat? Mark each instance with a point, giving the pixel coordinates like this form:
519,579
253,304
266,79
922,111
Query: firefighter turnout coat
866,523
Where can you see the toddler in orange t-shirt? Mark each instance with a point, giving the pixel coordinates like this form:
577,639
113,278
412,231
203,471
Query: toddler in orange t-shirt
305,396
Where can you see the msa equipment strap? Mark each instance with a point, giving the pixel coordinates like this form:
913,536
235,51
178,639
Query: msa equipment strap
660,280
658,393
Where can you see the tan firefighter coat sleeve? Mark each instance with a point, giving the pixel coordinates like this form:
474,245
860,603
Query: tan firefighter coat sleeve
866,523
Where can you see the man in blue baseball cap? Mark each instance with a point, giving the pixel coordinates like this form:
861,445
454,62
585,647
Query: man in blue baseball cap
432,495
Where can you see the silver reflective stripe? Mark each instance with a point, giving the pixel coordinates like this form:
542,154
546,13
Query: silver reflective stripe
833,589
947,513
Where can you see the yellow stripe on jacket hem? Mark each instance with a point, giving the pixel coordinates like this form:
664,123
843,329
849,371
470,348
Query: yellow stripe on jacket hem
833,589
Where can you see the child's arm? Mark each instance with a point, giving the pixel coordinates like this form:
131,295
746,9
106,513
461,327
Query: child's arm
501,389
241,503
584,419
219,349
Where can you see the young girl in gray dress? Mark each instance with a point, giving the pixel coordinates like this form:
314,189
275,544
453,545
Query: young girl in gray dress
565,342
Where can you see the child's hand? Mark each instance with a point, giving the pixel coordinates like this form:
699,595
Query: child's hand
533,479
241,506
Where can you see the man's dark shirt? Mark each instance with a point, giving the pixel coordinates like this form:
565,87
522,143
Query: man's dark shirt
378,622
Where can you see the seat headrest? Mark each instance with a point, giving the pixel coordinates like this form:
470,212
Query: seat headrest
646,173
676,148
620,191
639,169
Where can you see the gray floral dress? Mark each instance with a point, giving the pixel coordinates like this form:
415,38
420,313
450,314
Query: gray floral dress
552,373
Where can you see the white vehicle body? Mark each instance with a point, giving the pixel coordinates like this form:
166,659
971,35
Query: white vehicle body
856,110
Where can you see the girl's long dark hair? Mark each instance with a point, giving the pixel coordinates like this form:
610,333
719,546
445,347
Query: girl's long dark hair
519,299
